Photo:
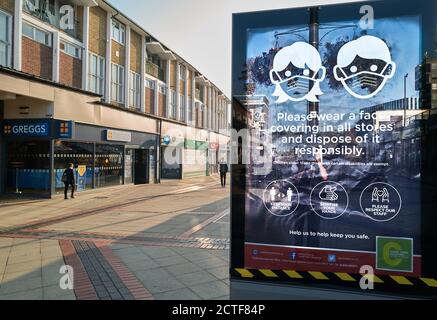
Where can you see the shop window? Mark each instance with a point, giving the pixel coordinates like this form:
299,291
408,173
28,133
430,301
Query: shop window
108,165
96,74
81,155
28,167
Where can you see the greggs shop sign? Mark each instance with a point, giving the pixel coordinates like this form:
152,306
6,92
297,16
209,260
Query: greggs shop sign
38,128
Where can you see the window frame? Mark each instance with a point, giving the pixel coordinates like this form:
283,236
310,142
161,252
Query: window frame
71,45
150,83
100,78
121,30
34,28
134,89
8,44
119,83
162,89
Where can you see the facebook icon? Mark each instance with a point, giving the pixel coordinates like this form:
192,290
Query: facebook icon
293,255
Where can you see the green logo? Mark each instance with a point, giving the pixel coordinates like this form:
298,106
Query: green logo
395,254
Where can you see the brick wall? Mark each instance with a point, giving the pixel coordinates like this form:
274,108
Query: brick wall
135,52
173,75
149,100
97,33
181,87
70,71
79,17
7,5
201,119
37,59
195,114
161,105
190,82
121,58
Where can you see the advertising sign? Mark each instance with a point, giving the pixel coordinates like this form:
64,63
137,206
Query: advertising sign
116,135
324,189
27,128
65,129
81,178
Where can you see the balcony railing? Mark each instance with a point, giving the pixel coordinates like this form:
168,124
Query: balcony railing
155,71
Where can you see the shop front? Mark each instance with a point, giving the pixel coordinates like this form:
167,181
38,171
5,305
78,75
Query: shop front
27,161
38,151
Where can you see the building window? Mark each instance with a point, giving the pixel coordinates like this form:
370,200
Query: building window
96,74
52,12
42,9
182,71
162,89
118,32
190,111
134,90
182,108
5,39
37,34
150,84
117,88
71,49
173,97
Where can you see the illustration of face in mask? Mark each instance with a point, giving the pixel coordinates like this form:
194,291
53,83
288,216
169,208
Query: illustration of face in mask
297,72
364,66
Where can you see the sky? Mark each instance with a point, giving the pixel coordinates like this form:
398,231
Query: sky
200,30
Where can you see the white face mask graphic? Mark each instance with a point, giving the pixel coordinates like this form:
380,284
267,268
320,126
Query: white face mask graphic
297,72
364,66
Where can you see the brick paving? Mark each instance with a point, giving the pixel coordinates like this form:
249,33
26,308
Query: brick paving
106,282
166,241
143,243
83,287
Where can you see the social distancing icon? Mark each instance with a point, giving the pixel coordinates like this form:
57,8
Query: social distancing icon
281,198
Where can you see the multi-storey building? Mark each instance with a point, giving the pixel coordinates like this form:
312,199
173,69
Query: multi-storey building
80,82
426,81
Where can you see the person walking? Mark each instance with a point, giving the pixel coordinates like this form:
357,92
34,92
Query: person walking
223,171
68,179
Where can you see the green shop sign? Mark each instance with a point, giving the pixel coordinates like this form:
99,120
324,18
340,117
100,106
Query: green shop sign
196,145
394,254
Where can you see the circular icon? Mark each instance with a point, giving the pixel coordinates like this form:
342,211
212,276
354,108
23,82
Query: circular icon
281,198
329,200
380,201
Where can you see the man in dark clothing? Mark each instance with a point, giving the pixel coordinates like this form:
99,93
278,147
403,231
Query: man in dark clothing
223,171
68,179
